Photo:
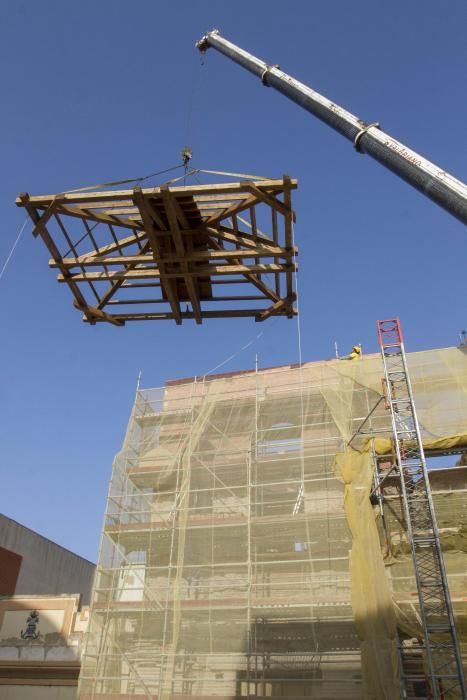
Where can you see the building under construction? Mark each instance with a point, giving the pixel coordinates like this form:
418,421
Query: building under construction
272,533
256,541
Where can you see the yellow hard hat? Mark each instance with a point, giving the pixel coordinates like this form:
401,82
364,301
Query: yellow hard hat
357,348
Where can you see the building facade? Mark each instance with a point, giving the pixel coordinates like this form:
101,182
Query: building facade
241,555
44,612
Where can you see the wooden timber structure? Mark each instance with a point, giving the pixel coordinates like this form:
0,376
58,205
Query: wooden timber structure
173,252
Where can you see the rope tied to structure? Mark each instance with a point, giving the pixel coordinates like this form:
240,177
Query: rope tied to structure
10,254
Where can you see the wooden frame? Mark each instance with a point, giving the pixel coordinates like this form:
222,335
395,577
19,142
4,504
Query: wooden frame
164,252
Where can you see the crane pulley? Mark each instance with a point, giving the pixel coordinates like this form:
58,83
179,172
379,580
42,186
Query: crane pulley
428,178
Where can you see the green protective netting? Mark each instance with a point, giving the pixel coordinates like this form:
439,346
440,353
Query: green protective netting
240,554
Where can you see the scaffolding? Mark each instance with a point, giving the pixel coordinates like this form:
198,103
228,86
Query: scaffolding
241,555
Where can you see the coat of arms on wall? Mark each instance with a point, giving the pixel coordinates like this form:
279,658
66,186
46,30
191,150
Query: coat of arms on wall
31,631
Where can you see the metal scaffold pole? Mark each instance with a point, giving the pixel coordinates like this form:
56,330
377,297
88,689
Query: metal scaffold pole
443,661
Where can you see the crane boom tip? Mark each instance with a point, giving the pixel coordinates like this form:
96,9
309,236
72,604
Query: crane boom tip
203,43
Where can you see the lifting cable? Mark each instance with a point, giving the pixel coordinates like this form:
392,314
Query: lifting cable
124,182
168,182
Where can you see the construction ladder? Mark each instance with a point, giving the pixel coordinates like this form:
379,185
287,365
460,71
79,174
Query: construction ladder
443,662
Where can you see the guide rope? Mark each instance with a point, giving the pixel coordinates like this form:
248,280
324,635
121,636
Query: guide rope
10,254
240,350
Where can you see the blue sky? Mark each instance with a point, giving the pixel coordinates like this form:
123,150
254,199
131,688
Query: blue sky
97,91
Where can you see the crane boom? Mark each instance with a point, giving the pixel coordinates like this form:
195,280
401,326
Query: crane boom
428,178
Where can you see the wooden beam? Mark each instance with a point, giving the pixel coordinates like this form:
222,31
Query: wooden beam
275,309
246,297
251,278
254,231
242,236
172,210
288,223
168,285
128,211
267,199
275,235
192,202
233,209
228,313
117,195
116,286
55,253
80,213
73,249
114,247
201,271
190,256
98,315
40,225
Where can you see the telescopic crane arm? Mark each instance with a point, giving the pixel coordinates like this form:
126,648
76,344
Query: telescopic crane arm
433,181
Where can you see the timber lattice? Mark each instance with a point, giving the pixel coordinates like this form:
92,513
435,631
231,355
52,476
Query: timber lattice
165,252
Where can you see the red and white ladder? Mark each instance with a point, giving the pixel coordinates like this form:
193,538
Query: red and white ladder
444,676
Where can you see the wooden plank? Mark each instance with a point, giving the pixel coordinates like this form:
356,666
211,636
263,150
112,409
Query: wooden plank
228,313
267,199
116,195
110,205
199,230
242,237
154,214
99,315
188,200
141,285
168,285
116,285
114,247
274,309
254,232
246,297
288,235
192,256
73,250
55,253
118,212
173,210
275,236
216,197
40,225
173,224
80,213
91,235
233,209
124,302
201,271
208,206
254,280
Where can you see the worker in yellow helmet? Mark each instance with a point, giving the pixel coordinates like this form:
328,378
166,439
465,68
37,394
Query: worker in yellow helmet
355,354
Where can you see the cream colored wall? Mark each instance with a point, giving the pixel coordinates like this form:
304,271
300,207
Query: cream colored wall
50,621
